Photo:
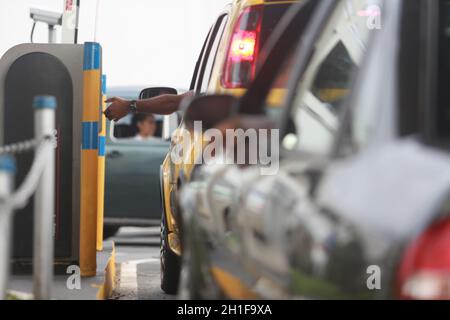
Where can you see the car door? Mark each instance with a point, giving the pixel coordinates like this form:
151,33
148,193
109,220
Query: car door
132,193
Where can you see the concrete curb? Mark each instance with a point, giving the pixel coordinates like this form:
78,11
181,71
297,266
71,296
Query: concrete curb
105,291
99,287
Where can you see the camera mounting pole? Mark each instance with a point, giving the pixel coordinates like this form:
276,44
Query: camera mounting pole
70,20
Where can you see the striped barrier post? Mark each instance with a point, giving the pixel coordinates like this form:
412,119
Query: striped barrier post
89,158
44,203
7,170
101,168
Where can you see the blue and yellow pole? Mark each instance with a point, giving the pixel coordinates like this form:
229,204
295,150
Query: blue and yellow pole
89,158
101,168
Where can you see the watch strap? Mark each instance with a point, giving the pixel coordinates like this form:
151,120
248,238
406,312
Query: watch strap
133,106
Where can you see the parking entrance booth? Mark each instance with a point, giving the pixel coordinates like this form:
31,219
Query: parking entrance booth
72,74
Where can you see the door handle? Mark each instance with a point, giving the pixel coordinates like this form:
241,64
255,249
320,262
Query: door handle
113,154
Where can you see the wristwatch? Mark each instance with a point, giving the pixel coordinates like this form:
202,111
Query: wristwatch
133,106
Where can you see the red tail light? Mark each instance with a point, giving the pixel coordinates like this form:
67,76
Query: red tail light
243,46
424,272
242,57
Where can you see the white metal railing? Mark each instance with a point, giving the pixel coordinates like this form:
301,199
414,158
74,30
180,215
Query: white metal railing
40,180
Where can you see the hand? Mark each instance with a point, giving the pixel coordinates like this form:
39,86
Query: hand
118,108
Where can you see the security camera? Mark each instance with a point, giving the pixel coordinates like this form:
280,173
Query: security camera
49,17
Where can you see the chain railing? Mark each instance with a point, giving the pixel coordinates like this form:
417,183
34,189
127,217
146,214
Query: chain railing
40,181
25,146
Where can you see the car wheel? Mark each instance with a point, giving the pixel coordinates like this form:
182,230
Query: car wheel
109,231
169,261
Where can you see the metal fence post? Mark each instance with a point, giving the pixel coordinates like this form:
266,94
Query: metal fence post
44,204
7,170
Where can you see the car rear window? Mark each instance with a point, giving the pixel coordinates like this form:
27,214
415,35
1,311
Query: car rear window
271,16
443,111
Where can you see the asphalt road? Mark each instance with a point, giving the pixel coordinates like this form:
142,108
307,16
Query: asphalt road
137,262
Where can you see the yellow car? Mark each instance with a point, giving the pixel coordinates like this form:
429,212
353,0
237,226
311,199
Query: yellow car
227,64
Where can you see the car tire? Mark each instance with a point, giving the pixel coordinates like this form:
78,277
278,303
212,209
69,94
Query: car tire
169,261
109,231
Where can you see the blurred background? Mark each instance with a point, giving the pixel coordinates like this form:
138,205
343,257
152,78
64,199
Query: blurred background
145,42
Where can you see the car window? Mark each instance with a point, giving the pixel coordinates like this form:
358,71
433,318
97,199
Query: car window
209,57
278,91
213,54
443,94
127,128
192,86
269,91
271,16
329,77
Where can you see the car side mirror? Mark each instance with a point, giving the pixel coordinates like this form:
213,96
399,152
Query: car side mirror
209,110
156,91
